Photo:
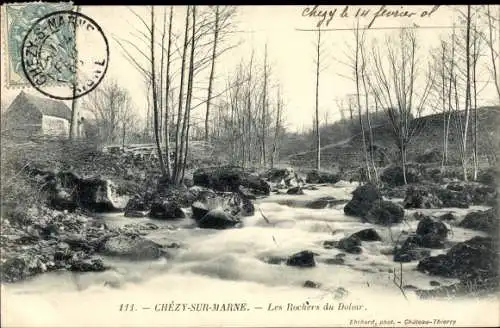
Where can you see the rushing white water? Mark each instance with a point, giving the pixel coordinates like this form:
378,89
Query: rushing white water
229,266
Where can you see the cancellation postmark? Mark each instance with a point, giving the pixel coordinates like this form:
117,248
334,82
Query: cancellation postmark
67,49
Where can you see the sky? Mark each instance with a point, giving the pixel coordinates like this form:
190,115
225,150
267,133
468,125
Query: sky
291,51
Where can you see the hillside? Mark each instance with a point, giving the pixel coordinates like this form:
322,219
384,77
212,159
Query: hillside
429,135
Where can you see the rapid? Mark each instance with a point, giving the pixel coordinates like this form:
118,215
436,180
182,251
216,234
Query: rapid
235,266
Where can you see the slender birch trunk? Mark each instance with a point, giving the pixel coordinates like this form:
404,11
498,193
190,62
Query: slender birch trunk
212,70
318,140
155,97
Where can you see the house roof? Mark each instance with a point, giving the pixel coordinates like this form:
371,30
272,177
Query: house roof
46,106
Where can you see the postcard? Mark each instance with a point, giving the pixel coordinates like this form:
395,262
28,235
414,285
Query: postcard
249,166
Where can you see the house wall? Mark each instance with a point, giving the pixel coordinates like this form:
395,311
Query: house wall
22,120
55,126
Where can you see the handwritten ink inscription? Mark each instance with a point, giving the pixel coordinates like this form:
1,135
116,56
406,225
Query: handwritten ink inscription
325,16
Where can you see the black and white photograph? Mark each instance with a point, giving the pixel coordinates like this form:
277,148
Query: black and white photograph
249,165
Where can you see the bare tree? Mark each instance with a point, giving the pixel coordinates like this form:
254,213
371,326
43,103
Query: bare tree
111,105
187,109
212,69
155,96
467,95
394,88
476,51
178,153
167,96
250,128
451,79
443,63
370,165
326,116
358,68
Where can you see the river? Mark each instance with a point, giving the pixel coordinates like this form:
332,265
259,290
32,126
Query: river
230,266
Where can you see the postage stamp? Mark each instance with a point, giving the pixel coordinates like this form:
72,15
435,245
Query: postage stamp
51,54
18,20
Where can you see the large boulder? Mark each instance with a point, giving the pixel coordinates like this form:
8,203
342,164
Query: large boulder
132,247
316,176
351,244
20,267
428,226
95,264
68,191
165,201
421,196
201,193
393,175
178,194
98,194
369,234
199,210
166,210
410,250
451,198
234,203
218,219
473,192
481,220
136,207
303,259
430,233
385,213
362,200
245,192
295,191
454,194
476,258
229,178
286,178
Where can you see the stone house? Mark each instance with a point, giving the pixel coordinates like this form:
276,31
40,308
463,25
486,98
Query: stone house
32,116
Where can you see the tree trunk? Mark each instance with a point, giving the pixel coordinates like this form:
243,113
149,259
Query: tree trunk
360,115
123,137
178,153
403,162
443,99
249,110
318,140
73,124
450,89
467,96
475,53
276,129
167,95
155,99
189,91
264,110
212,70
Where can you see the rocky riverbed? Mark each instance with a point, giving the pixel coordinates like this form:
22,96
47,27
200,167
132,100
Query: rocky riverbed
331,239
